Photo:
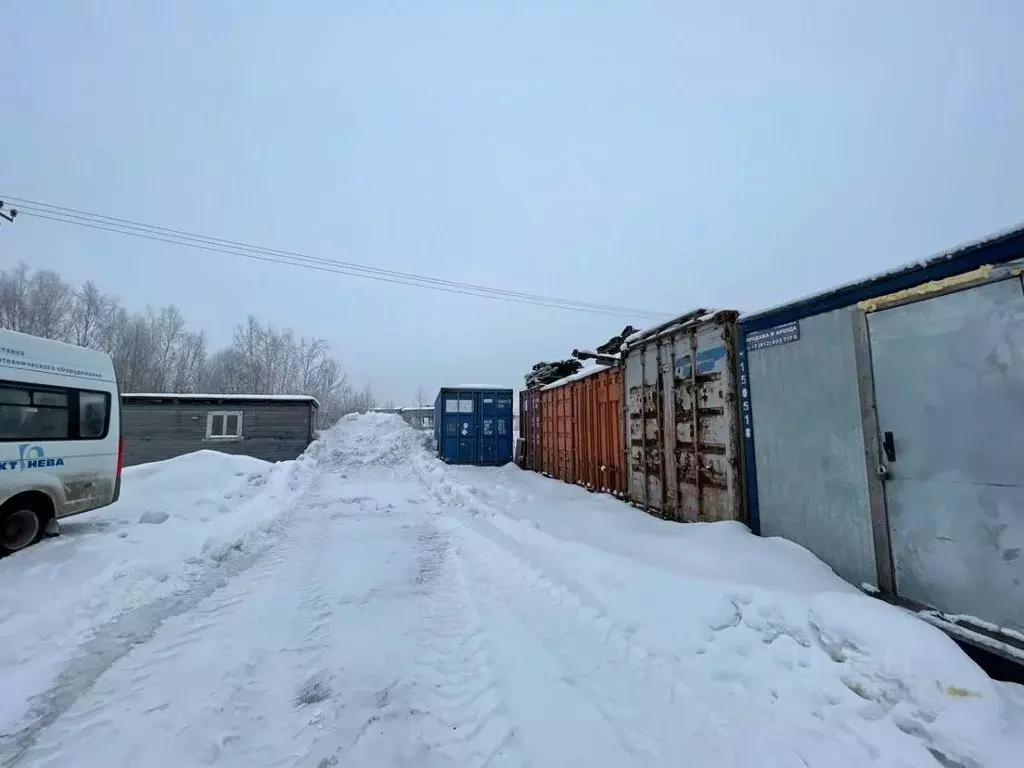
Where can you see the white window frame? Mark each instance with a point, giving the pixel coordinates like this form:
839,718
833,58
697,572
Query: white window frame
209,425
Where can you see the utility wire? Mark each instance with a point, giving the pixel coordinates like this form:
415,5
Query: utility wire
82,218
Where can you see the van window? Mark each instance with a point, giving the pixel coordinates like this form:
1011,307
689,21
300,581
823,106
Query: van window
93,413
31,413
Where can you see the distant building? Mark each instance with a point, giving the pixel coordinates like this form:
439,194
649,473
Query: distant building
418,417
161,426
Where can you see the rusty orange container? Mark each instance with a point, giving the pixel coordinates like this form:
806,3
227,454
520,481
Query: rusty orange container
583,431
556,418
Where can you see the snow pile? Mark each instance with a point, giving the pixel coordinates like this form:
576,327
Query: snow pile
363,439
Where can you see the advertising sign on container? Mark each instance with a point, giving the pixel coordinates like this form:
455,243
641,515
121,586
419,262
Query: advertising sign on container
772,337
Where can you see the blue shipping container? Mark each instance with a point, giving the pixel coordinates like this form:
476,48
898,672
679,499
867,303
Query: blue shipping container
473,425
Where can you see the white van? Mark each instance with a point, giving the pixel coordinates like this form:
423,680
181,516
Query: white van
61,450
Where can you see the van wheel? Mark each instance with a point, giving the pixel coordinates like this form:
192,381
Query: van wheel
21,526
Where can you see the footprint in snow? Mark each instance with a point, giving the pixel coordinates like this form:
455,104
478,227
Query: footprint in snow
315,690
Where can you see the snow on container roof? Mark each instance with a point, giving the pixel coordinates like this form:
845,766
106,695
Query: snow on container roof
997,248
691,318
478,386
157,396
590,367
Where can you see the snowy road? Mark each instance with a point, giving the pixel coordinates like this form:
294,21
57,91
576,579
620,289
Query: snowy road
390,611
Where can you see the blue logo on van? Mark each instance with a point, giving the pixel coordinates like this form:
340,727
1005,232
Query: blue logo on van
31,457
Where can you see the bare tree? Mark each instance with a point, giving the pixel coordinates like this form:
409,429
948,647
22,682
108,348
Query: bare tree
39,304
14,287
88,315
155,351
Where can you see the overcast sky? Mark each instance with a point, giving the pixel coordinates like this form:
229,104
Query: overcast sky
654,155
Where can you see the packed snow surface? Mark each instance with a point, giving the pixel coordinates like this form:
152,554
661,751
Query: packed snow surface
367,605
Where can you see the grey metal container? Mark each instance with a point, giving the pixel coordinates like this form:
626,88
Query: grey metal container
681,419
882,427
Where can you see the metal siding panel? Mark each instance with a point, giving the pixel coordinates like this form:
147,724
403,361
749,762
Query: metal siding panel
586,419
949,375
809,445
563,449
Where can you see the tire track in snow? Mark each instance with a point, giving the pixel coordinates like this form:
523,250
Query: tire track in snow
108,645
714,692
597,668
449,710
110,642
462,688
142,685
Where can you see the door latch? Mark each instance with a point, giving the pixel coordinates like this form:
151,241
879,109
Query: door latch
889,446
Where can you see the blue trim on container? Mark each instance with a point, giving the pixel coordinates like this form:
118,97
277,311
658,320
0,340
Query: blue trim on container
997,250
747,430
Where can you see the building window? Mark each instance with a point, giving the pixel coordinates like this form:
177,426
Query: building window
223,425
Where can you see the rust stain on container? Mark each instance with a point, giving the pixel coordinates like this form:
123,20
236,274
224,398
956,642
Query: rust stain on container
682,424
530,431
583,428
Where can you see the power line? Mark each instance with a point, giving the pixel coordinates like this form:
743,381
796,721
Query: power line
116,225
487,293
298,259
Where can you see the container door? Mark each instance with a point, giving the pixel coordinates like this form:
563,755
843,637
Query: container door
949,388
643,394
529,419
488,428
469,428
503,427
704,425
459,434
